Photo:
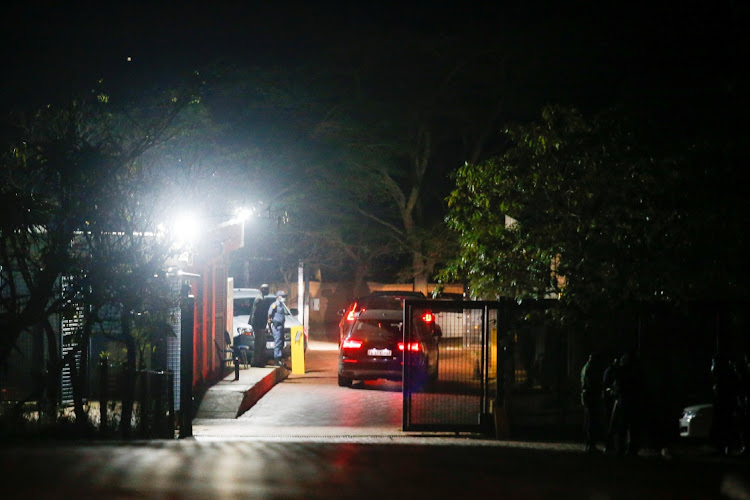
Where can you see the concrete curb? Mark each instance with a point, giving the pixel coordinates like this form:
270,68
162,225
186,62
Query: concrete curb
258,390
230,398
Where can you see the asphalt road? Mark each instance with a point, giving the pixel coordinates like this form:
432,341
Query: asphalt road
309,438
282,469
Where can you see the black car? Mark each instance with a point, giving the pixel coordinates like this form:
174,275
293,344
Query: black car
384,299
373,348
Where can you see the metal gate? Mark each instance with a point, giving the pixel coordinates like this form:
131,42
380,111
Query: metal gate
70,330
450,365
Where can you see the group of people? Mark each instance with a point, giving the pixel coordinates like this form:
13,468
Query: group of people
731,419
272,320
612,399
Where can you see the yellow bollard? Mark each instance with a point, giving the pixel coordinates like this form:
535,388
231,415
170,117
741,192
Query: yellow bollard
492,369
298,350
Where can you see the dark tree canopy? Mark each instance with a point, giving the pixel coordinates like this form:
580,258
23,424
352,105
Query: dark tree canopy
604,211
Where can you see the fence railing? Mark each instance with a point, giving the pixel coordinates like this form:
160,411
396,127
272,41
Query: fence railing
153,399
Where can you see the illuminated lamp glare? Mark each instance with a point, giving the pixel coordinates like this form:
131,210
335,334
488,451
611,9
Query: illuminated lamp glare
243,214
185,228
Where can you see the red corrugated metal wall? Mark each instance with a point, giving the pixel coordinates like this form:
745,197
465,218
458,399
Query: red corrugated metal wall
210,323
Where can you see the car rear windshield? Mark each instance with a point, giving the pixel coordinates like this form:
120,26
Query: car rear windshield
390,303
379,327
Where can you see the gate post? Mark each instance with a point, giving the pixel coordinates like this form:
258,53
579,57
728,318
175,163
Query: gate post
186,366
103,396
499,410
170,405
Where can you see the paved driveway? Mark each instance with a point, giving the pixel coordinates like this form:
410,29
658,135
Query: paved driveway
313,405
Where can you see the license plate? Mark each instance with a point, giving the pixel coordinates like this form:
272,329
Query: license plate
379,352
269,345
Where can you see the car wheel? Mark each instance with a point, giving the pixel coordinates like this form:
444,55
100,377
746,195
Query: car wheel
344,381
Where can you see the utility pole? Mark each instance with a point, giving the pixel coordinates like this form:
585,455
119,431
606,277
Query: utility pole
301,293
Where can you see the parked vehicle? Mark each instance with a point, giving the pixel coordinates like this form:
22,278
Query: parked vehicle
373,348
243,307
696,420
251,316
458,325
390,300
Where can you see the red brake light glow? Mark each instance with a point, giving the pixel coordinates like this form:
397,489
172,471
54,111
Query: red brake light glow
428,317
351,344
350,315
413,346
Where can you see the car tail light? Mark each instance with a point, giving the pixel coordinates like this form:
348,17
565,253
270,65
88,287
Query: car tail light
351,344
413,346
428,317
351,316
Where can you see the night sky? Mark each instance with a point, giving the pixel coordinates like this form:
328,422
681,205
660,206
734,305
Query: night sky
591,53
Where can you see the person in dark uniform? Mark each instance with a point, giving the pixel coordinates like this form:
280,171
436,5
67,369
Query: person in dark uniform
627,414
725,403
591,391
276,319
259,323
609,396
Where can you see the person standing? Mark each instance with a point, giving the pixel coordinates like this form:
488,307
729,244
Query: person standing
627,413
725,403
259,323
609,396
276,319
591,391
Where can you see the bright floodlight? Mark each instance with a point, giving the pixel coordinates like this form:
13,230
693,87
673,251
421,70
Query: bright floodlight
185,228
243,214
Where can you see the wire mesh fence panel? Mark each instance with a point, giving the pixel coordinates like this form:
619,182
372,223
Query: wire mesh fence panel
448,360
